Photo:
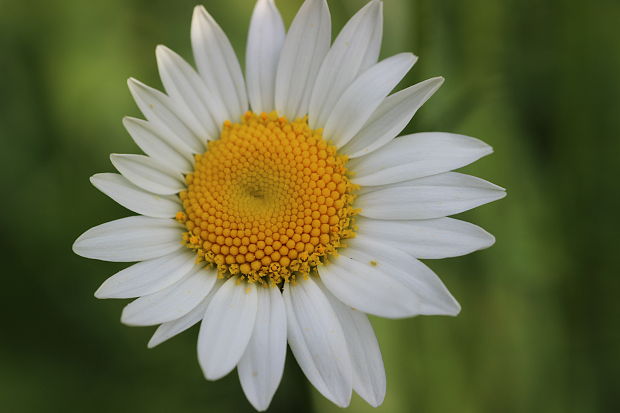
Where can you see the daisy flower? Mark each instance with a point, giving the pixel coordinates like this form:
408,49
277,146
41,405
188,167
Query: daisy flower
281,207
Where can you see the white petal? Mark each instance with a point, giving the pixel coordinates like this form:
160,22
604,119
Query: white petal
227,327
149,174
363,96
434,298
363,286
418,155
170,329
189,92
430,197
391,117
148,277
429,238
217,63
265,40
305,47
130,239
172,302
355,49
163,114
134,198
368,370
157,146
261,367
317,341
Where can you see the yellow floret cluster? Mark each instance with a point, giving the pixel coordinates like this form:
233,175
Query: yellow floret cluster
268,200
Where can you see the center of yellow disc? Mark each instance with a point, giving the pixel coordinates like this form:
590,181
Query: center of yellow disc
268,200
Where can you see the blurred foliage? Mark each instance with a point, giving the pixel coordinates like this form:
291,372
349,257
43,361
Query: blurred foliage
538,80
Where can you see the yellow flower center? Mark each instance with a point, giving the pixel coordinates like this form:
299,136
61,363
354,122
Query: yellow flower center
268,200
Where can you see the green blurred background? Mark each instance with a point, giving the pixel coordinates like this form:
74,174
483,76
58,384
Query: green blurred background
538,80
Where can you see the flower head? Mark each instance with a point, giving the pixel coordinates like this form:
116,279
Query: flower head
282,208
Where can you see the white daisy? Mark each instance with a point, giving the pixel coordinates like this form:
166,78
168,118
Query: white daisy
281,207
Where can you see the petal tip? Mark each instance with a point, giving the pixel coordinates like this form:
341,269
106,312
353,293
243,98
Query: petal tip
124,317
412,57
200,15
199,8
342,402
260,405
213,375
162,51
488,241
76,247
99,294
456,311
129,319
453,308
375,401
153,342
438,80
